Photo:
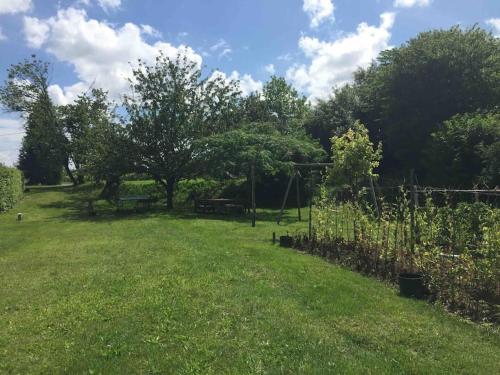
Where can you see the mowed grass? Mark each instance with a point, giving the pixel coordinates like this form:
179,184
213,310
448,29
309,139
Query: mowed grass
172,293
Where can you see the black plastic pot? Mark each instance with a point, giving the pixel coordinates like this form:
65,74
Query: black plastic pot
411,285
286,241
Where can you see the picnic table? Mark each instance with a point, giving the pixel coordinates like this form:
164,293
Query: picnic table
142,201
218,205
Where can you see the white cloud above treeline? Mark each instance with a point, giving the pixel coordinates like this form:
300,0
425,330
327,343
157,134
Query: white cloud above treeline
411,3
15,6
332,63
318,11
102,53
495,24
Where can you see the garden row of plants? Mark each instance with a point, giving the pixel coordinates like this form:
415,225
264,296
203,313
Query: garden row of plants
454,246
11,187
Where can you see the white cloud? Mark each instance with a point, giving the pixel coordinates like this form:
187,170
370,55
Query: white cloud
2,35
109,4
99,52
319,11
333,63
222,48
15,6
247,84
495,24
11,135
411,3
36,32
151,31
270,69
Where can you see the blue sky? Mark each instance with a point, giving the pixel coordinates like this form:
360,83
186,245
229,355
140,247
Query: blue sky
315,44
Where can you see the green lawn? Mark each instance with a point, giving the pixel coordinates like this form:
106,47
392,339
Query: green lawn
172,293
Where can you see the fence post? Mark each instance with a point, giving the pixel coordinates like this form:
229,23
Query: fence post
253,194
310,204
412,211
374,197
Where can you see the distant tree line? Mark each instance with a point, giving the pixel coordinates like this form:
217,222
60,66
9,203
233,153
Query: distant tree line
432,103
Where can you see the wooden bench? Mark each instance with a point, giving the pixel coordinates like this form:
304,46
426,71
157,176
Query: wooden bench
218,205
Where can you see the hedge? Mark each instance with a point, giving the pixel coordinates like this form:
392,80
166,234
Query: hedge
11,187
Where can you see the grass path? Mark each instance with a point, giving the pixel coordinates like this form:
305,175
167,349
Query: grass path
173,293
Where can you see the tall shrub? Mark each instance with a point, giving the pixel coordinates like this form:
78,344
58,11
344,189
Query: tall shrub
11,187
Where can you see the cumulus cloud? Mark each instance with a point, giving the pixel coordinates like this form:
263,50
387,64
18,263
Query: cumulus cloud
11,135
100,53
318,11
411,3
333,63
247,84
495,24
270,69
15,6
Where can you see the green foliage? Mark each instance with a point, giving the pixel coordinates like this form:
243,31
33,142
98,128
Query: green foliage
11,187
455,247
171,108
468,148
279,104
26,91
414,88
231,154
335,115
83,121
353,156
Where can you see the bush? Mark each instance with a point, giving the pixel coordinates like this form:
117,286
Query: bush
11,187
455,247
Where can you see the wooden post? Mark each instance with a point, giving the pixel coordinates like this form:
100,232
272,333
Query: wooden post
286,197
412,212
310,205
297,175
374,197
253,194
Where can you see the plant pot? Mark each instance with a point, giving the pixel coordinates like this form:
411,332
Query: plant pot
411,285
286,241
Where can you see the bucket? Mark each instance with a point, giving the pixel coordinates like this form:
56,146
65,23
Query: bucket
286,241
411,285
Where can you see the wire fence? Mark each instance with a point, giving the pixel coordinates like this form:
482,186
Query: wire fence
450,236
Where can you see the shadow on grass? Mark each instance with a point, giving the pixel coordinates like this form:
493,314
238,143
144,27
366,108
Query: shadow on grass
74,201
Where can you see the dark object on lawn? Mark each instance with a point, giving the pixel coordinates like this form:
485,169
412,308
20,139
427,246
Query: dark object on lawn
286,241
411,285
274,238
19,216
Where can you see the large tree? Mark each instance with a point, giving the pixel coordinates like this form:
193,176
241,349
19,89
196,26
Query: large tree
414,88
26,92
335,115
467,147
171,107
78,119
279,103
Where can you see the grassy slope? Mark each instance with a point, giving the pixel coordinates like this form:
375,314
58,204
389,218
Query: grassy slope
172,293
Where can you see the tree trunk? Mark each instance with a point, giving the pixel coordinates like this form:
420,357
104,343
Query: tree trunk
170,192
70,174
